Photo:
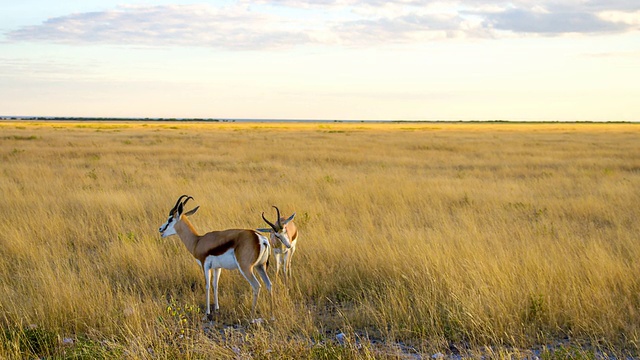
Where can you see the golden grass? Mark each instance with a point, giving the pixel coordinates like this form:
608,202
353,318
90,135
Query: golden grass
494,239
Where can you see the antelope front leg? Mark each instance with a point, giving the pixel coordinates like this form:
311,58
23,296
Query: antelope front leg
287,264
278,258
216,277
207,280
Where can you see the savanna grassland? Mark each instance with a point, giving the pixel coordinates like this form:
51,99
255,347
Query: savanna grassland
495,240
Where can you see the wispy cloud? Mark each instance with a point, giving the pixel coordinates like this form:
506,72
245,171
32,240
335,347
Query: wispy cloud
405,28
603,5
255,25
193,25
543,22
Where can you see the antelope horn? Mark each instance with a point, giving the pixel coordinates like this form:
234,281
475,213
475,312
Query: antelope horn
177,203
279,222
187,199
268,222
181,206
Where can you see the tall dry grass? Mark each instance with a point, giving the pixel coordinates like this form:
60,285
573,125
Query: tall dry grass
493,239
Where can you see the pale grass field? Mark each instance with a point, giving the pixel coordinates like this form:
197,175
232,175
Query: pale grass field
496,240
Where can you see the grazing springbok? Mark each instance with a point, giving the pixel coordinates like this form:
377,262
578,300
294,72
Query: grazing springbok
284,231
231,249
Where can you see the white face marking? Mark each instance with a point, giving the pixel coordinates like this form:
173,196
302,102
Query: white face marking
167,229
282,236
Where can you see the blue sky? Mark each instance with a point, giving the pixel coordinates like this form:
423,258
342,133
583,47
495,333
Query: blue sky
323,59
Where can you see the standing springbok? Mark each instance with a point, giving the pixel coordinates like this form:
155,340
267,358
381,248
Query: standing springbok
227,249
282,232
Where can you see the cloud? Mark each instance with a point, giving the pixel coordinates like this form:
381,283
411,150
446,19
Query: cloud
604,5
265,24
231,28
530,21
406,28
594,5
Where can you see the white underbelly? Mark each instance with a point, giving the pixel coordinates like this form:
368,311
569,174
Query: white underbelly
224,261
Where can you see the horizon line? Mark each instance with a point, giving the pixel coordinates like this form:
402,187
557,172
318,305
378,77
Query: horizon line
301,120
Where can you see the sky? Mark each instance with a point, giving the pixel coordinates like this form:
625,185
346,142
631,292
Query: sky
521,60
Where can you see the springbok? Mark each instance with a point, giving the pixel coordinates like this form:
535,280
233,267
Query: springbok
284,231
231,249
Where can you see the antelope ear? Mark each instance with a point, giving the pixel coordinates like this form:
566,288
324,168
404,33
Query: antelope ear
192,211
290,218
264,230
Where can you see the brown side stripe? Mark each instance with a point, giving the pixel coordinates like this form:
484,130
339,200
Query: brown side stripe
221,249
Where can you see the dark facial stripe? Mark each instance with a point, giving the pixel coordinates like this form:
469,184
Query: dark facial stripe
166,226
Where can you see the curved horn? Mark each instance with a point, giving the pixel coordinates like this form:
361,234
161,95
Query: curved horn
268,222
177,203
278,217
187,199
182,204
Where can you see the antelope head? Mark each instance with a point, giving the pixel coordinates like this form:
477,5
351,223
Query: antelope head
279,229
167,229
